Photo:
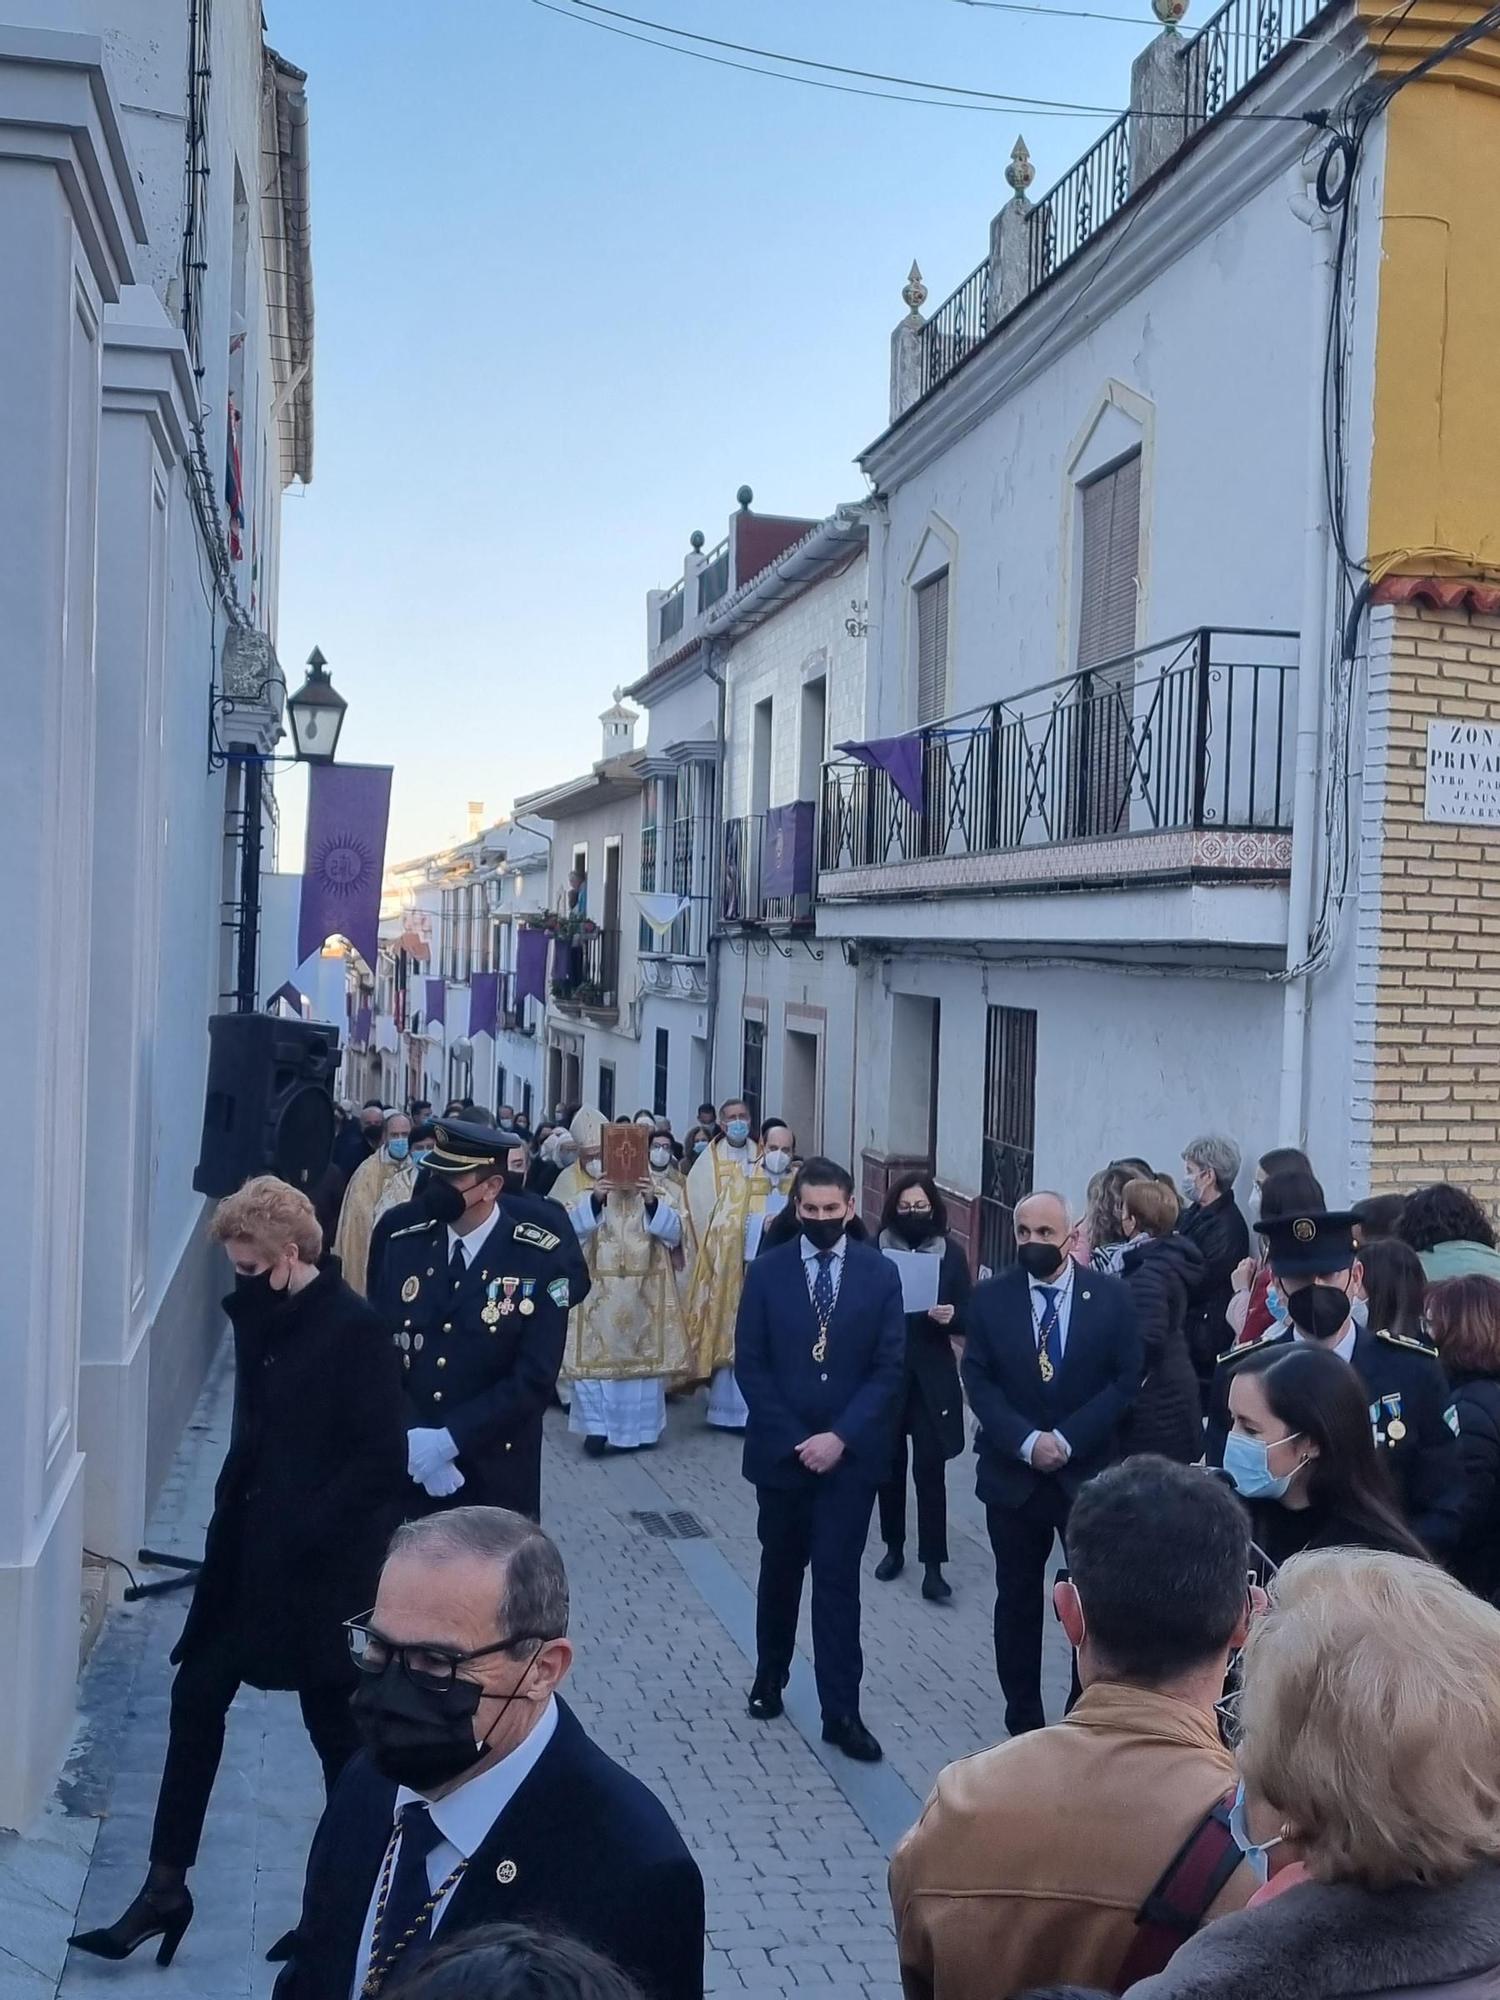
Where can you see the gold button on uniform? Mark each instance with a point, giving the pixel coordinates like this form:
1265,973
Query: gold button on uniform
447,1326
437,1395
442,1362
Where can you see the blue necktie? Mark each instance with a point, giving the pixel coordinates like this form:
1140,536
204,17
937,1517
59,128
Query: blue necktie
410,1892
823,1288
1049,1334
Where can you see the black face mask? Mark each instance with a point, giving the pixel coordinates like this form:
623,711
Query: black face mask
825,1231
1319,1311
913,1229
1040,1260
437,1197
256,1289
421,1737
514,1183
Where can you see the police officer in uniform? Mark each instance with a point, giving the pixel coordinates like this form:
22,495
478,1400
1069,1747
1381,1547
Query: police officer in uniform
1312,1257
477,1299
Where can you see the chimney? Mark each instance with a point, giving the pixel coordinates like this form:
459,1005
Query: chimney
619,729
476,818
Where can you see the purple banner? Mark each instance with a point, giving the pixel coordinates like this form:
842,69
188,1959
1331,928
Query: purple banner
786,852
900,757
531,966
484,1003
362,1027
347,809
291,996
437,1002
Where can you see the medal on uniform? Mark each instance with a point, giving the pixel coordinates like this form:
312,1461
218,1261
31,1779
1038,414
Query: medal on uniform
508,1287
1044,1364
491,1313
526,1305
410,1289
1395,1430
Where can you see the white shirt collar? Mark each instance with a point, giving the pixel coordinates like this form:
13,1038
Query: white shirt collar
477,1237
811,1250
464,1817
1343,1347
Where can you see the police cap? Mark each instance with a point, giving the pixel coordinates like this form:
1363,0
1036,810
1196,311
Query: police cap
1311,1245
459,1148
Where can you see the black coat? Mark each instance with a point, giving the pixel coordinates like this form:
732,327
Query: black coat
1475,1557
1095,1386
930,1365
1167,1416
1220,1235
311,1487
591,1853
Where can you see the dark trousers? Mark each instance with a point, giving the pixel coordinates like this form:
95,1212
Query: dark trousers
1022,1538
929,1476
207,1682
824,1522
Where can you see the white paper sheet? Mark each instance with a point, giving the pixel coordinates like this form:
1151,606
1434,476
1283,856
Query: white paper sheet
754,1224
919,1273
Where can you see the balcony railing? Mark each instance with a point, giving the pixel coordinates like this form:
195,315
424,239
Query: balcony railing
768,868
672,606
586,972
1221,62
1194,734
713,578
675,861
513,1016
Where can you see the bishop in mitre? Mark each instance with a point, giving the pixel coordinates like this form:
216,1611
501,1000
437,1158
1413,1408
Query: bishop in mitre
387,1176
730,1191
627,1341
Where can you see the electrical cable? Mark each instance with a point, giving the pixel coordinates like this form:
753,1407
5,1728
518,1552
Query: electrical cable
112,1562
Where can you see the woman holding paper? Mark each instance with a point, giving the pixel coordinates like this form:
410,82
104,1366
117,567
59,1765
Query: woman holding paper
935,1287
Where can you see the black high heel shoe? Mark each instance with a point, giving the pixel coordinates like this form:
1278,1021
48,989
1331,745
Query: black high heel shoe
163,1913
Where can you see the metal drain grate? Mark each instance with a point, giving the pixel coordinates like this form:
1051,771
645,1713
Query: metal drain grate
677,1526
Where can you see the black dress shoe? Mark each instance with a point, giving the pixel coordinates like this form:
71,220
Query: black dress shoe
848,1733
890,1565
935,1586
765,1698
155,1913
595,1447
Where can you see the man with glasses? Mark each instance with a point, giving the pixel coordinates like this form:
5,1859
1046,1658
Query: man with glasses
479,1799
1085,1853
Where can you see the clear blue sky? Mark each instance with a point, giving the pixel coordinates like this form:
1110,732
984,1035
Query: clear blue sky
571,292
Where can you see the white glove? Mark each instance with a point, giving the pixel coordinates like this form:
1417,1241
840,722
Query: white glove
428,1452
447,1479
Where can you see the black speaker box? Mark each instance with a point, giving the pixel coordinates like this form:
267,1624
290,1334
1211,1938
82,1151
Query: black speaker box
269,1107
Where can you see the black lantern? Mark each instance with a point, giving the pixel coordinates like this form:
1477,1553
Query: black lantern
316,714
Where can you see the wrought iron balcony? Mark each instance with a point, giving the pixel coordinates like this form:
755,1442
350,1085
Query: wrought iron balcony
675,862
586,973
713,578
1175,759
671,611
768,868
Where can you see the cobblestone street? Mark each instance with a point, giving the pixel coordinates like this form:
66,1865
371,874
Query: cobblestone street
792,1838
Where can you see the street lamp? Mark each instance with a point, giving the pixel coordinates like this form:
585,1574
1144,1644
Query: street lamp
316,714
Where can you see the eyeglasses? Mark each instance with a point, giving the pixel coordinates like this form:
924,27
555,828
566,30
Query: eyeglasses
903,1208
427,1666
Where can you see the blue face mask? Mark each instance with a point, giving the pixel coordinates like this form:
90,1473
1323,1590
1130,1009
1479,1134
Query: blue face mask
398,1148
1257,1854
737,1131
1247,1461
1276,1305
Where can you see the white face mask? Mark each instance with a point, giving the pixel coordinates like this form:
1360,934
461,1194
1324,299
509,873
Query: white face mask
777,1161
661,1156
594,1167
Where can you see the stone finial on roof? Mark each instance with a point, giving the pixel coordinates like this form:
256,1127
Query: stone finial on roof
914,291
1169,12
1021,173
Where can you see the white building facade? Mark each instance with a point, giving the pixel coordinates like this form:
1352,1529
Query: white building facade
156,354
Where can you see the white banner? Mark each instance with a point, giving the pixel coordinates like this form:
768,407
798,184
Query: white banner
661,911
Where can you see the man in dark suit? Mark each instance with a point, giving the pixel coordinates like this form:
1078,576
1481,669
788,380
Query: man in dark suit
820,1355
478,1798
1051,1363
478,1306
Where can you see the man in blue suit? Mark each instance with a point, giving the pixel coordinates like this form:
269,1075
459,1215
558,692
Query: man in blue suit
1052,1361
820,1355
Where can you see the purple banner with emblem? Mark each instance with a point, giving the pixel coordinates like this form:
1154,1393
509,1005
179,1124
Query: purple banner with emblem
437,1002
484,1003
347,809
900,757
786,851
531,966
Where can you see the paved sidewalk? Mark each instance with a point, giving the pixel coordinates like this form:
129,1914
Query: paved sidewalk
792,1838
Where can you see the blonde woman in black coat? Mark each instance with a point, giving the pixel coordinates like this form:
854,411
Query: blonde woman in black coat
916,1220
307,1500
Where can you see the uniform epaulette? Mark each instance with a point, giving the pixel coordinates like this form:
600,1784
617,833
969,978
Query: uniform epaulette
533,1233
1238,1352
411,1229
1405,1340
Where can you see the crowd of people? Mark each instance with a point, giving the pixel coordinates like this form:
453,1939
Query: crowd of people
1266,1441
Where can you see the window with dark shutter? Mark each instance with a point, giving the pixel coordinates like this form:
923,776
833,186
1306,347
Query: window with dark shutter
932,648
1109,560
1009,1154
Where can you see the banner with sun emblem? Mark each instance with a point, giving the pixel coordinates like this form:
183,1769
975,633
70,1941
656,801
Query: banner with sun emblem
347,809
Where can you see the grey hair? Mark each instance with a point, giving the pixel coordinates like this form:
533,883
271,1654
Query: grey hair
1220,1155
532,1597
1048,1194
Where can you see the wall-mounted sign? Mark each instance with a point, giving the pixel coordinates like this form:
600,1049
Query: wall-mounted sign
1463,773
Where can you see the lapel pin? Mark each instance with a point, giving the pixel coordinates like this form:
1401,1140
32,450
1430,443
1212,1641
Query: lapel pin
505,1874
1088,1295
